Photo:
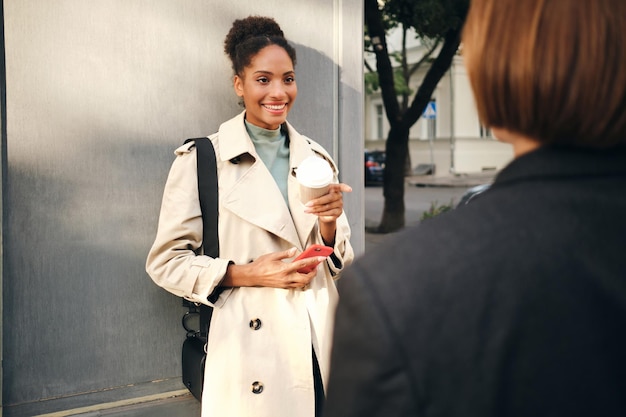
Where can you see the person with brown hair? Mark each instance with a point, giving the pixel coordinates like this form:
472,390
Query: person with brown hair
515,304
270,333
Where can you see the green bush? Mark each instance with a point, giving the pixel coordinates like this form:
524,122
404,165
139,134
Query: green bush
436,209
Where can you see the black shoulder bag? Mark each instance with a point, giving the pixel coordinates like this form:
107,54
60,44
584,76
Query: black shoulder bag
194,346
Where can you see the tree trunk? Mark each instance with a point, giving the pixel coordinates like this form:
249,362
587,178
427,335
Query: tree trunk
376,31
401,120
393,186
393,217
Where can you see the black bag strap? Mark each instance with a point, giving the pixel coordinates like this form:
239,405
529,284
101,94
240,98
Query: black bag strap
208,196
207,193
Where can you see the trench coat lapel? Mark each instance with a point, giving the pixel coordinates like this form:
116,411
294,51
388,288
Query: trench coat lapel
257,199
299,150
254,196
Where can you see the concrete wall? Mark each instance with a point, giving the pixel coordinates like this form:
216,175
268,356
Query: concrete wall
98,95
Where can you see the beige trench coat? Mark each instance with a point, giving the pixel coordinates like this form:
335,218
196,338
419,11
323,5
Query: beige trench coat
253,220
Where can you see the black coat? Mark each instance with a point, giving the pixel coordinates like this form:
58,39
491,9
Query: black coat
514,305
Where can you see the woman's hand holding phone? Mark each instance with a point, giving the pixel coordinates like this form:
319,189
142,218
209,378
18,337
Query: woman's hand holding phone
313,251
270,270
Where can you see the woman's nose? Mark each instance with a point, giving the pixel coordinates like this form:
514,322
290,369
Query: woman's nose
278,90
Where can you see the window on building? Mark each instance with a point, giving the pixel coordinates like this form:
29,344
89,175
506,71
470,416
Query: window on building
485,132
379,121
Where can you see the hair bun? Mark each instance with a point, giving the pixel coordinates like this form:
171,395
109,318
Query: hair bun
250,27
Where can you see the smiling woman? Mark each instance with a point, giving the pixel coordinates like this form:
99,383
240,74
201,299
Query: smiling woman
264,66
279,365
268,87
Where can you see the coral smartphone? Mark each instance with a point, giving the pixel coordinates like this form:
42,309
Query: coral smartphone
313,250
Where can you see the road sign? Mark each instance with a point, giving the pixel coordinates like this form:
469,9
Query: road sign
430,112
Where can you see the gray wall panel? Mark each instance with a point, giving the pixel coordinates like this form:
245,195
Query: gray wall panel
99,94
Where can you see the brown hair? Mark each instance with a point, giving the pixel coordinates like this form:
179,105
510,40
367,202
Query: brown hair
248,36
552,70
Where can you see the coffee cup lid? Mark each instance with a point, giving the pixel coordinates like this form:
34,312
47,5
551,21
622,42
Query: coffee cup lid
314,172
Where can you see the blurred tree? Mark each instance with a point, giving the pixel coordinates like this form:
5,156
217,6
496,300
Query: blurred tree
438,23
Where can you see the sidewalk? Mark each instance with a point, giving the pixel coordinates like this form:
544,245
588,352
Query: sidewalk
451,180
178,403
441,188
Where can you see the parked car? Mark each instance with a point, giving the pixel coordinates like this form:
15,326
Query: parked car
374,167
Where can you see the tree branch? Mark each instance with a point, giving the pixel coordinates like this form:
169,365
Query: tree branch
426,56
405,72
433,76
376,32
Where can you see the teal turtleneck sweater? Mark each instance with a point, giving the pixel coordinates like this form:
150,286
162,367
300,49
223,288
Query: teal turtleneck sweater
270,146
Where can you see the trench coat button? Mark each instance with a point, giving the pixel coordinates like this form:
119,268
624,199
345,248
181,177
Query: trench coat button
257,387
255,324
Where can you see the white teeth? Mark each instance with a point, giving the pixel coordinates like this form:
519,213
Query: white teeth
275,107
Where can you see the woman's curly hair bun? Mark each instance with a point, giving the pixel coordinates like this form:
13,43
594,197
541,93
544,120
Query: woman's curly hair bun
249,35
250,27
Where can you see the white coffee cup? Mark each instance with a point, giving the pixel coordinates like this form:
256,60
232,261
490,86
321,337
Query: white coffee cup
315,176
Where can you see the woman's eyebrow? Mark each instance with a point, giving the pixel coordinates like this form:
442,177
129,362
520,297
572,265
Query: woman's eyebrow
271,73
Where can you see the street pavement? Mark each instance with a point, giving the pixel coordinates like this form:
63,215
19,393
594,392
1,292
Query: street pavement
420,193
